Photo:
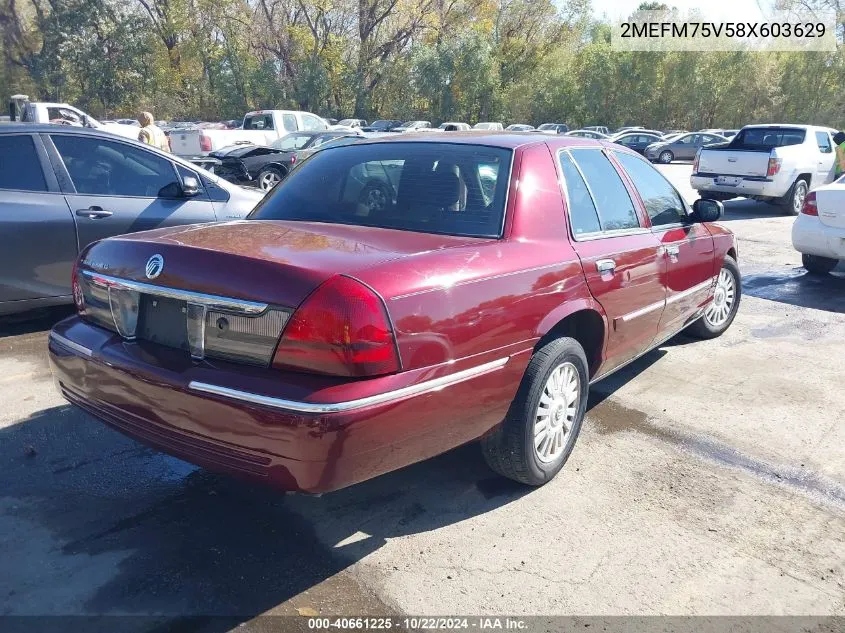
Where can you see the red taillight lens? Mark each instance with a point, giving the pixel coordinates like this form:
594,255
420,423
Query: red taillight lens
205,143
342,329
76,289
774,166
695,163
293,159
810,206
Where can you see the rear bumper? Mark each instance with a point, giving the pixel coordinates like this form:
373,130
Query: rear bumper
811,237
295,433
746,187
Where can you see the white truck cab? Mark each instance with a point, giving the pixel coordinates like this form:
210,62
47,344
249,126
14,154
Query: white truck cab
775,163
22,110
260,127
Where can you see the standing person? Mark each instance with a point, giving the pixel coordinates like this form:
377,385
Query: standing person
839,148
151,134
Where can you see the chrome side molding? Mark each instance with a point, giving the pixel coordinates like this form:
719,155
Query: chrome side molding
349,405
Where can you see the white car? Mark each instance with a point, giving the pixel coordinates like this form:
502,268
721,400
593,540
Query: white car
774,163
490,126
819,230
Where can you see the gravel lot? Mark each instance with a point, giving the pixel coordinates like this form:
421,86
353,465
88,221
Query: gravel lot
709,479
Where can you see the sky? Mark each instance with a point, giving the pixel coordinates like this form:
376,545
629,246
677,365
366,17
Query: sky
729,10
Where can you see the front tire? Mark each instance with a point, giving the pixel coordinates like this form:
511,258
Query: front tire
666,157
816,265
720,313
544,420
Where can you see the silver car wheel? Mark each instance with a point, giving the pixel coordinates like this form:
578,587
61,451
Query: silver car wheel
798,198
719,310
268,180
556,411
666,157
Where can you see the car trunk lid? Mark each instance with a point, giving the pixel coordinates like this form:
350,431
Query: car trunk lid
830,201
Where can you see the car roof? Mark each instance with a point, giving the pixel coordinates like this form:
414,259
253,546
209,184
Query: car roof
47,128
508,140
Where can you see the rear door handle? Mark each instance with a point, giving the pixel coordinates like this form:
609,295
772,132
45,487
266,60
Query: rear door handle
94,212
605,266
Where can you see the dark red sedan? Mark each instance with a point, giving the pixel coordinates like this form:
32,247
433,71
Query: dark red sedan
325,341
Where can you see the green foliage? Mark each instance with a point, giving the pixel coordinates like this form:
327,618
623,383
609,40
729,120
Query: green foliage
530,61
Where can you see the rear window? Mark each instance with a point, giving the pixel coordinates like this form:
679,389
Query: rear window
258,122
767,137
445,188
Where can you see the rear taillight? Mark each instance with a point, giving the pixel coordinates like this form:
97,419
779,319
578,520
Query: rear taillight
695,162
774,166
341,329
810,207
293,159
78,298
205,143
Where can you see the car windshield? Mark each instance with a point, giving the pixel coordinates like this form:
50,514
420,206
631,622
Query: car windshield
381,123
348,122
767,137
292,141
548,126
445,188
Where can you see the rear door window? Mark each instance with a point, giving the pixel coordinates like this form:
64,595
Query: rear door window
20,167
614,205
289,121
582,210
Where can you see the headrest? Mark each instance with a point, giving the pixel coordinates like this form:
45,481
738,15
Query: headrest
440,189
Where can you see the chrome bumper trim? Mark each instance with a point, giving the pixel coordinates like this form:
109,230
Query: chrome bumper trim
215,302
66,342
349,405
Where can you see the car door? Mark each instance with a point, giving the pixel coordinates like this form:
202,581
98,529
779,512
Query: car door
685,147
826,160
686,246
114,187
621,258
37,232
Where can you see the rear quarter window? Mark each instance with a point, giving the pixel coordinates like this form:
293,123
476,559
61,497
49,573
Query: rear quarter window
446,188
20,168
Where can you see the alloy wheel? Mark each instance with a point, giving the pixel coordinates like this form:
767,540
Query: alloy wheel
556,411
719,310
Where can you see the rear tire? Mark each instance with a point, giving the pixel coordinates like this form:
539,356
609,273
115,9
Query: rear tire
816,265
720,313
269,177
665,157
543,423
794,200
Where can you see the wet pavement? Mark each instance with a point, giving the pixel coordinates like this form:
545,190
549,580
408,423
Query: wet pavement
709,479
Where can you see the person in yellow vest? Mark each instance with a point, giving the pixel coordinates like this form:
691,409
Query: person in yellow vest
839,148
151,134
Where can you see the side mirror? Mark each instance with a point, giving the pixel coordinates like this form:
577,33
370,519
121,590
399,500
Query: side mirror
706,210
190,186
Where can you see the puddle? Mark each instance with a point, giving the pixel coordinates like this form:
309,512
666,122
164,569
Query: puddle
796,287
609,417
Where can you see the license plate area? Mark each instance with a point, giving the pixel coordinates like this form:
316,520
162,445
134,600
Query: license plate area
163,321
730,181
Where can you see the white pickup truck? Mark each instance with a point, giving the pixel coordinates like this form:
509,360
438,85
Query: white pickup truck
22,110
776,163
260,127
